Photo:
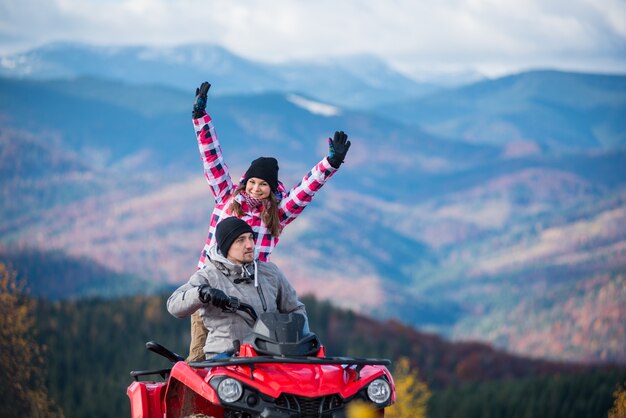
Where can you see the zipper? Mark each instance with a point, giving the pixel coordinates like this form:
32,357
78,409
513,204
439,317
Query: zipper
262,297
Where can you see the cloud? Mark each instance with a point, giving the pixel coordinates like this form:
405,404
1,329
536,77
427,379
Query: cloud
418,37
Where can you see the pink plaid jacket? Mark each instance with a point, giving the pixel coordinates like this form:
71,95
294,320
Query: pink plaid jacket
216,173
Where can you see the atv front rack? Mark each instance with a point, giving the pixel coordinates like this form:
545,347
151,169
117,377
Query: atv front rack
290,360
251,361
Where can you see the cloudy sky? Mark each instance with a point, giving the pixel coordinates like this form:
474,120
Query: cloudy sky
417,37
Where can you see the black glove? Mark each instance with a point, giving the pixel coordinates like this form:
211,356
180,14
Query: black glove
209,294
338,148
200,103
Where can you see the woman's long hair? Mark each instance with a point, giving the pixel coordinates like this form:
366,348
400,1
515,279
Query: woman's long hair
269,215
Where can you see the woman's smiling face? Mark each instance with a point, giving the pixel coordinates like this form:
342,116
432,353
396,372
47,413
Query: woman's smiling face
258,188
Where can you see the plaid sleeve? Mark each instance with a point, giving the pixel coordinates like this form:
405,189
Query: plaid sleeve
296,200
215,169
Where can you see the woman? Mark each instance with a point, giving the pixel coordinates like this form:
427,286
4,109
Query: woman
259,199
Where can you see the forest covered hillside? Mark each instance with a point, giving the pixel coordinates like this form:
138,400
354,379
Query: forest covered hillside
92,344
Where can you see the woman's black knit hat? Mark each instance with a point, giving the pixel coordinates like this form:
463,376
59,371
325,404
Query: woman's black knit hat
227,231
265,168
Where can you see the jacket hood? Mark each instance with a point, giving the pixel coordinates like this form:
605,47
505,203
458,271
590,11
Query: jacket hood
215,255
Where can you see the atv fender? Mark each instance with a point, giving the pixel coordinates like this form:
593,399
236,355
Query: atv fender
146,399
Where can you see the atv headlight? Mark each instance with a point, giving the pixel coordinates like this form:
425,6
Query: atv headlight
379,391
229,390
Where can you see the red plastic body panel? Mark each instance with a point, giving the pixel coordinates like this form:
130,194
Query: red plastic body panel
188,389
310,380
146,399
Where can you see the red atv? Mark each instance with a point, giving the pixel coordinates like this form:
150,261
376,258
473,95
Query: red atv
279,371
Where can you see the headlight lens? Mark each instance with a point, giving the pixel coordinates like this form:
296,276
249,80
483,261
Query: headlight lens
379,391
229,390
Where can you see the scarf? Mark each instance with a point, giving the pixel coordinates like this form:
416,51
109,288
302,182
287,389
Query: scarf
254,203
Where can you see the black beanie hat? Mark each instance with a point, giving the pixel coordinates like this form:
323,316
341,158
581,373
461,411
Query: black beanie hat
227,231
265,168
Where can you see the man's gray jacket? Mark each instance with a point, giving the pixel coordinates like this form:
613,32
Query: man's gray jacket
274,293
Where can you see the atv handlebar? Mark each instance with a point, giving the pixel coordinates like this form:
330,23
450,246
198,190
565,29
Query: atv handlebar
234,305
160,350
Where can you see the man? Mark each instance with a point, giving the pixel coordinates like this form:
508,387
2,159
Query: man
232,271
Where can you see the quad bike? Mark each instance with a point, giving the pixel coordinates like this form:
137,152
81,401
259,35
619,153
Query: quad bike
279,371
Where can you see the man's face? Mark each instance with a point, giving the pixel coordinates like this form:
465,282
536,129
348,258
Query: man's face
242,249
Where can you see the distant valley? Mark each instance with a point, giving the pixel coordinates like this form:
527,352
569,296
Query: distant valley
516,237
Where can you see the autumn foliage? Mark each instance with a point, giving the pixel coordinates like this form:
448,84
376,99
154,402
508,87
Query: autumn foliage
412,394
23,392
619,407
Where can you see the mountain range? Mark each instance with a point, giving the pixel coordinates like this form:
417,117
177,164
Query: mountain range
548,109
354,81
492,211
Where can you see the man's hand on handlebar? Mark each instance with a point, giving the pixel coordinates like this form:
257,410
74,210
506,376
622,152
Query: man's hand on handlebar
214,296
232,305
